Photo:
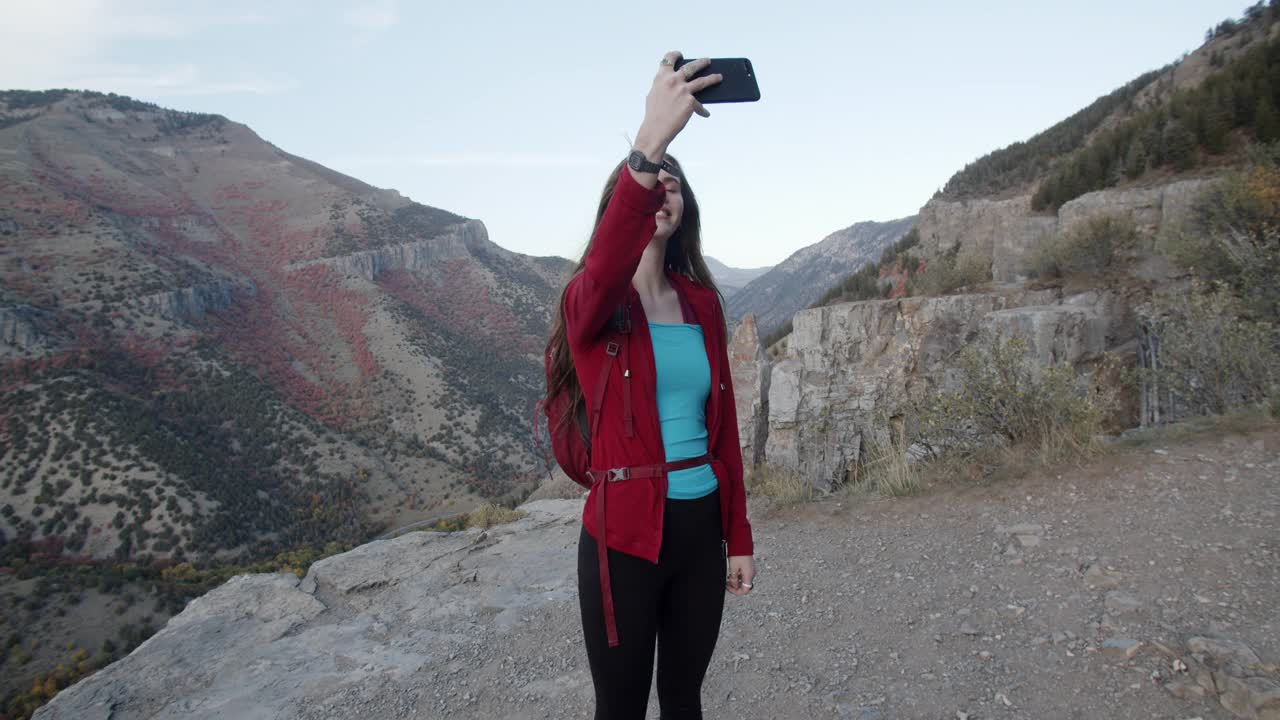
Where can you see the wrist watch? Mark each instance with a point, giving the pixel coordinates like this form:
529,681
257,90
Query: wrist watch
638,162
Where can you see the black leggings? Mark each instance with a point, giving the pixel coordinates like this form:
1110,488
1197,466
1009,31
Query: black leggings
677,602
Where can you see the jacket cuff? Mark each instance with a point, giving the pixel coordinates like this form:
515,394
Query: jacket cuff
741,546
636,196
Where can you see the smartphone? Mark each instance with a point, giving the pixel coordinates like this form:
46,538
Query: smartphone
739,83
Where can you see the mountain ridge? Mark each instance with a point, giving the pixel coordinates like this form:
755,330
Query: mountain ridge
807,273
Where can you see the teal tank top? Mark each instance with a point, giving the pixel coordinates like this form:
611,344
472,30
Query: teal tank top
684,382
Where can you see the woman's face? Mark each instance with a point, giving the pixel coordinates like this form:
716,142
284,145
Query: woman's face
672,208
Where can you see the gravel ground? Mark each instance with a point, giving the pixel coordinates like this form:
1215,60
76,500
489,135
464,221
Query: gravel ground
1068,595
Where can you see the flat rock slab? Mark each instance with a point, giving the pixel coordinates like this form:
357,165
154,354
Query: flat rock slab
257,645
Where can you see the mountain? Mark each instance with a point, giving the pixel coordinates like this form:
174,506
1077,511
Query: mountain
211,348
810,271
729,279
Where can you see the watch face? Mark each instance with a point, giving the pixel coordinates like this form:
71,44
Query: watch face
640,163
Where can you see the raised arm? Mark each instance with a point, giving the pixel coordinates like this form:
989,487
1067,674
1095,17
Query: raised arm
628,222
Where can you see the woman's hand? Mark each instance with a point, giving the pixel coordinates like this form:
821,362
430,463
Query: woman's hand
742,574
670,104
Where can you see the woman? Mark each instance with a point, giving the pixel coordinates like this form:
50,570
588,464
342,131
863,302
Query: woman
641,331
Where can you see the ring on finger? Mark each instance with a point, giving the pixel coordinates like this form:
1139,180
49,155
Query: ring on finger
667,61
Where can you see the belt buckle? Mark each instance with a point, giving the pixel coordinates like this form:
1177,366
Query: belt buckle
611,348
619,473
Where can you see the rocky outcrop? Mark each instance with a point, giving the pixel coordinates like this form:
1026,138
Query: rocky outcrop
260,645
193,302
750,369
1008,230
20,330
848,369
1070,334
1003,229
461,241
802,278
1231,672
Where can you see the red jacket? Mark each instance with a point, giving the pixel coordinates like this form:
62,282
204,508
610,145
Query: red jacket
634,508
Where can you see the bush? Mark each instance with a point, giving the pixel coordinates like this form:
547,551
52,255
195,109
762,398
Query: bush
491,514
1233,236
951,271
1092,247
1208,359
1005,397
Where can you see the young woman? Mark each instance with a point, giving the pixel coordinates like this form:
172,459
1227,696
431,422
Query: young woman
641,332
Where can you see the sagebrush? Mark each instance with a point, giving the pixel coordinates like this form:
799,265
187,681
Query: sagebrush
1095,246
1004,397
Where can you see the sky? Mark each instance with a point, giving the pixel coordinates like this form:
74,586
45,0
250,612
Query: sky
514,113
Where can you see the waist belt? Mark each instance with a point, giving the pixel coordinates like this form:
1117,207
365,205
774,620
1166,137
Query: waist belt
611,475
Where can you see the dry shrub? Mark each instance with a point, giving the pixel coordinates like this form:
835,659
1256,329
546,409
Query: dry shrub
888,469
1210,359
1233,235
490,514
557,487
1093,247
1005,398
951,271
782,486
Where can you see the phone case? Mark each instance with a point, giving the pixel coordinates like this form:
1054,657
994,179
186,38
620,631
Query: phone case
739,83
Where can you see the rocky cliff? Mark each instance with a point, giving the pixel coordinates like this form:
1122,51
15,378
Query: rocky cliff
847,370
271,645
1008,230
459,242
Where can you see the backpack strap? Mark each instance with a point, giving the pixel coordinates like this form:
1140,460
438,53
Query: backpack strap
597,398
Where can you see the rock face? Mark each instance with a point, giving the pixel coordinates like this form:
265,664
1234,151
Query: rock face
848,368
802,278
750,369
1008,230
191,303
460,242
389,608
20,331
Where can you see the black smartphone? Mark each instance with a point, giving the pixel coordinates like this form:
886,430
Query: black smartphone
739,83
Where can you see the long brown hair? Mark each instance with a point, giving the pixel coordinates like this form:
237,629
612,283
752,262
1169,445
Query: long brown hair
684,255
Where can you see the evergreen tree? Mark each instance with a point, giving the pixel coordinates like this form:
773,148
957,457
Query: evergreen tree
1179,146
1266,124
1135,162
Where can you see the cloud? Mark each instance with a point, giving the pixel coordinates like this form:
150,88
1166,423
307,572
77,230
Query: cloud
62,44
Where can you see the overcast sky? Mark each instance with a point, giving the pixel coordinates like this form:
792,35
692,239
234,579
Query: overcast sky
514,113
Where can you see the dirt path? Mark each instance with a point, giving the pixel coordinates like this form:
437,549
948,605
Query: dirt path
994,602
